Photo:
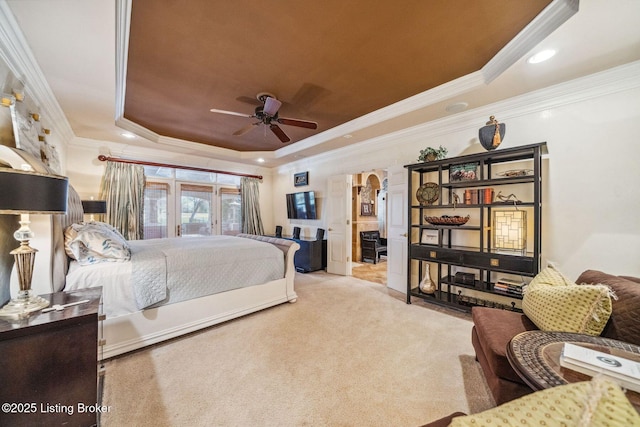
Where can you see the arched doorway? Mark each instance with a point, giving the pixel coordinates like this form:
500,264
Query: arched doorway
369,213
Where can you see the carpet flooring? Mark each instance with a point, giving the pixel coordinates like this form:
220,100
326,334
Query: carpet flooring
347,353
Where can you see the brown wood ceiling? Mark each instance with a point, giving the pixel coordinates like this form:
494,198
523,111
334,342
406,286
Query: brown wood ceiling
329,61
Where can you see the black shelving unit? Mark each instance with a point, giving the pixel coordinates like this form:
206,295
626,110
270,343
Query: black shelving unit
452,250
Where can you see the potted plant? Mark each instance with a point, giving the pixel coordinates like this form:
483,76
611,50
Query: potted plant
430,154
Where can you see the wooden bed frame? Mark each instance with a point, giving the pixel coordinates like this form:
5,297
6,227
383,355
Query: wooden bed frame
136,330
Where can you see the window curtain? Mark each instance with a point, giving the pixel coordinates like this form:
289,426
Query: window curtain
251,220
123,189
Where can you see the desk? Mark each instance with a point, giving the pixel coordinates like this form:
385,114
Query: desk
311,256
535,356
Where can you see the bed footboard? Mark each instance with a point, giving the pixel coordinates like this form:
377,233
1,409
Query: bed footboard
289,248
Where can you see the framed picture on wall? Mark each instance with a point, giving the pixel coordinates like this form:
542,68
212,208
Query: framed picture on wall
301,179
365,209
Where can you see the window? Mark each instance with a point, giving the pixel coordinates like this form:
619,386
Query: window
156,215
230,219
183,202
196,210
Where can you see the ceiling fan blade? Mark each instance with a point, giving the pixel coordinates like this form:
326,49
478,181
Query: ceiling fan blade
232,113
299,123
271,106
245,129
279,133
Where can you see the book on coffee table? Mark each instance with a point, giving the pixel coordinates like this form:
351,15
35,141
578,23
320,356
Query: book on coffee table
592,362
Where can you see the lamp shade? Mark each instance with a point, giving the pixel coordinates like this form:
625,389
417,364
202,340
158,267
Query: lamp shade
510,230
94,206
32,192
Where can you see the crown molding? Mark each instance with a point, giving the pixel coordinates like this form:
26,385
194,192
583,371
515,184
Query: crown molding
123,21
608,82
547,21
16,53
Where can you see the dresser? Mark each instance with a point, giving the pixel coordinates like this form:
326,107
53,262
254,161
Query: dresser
49,369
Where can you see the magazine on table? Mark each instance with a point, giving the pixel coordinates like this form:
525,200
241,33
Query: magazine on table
592,362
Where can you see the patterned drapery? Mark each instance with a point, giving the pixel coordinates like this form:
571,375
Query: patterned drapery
123,189
251,219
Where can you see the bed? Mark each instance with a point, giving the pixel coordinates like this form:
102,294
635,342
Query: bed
170,287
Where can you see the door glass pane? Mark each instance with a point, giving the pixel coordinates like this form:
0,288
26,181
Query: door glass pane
231,221
155,210
195,210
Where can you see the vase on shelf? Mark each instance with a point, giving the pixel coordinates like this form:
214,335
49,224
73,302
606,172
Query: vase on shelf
492,135
427,285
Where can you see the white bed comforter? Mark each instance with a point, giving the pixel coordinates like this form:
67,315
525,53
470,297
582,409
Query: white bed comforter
164,271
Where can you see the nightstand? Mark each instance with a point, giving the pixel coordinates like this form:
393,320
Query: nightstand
49,369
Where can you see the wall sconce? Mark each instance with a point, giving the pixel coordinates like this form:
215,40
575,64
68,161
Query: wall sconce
26,192
509,230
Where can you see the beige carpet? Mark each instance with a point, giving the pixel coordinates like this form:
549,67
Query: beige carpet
346,354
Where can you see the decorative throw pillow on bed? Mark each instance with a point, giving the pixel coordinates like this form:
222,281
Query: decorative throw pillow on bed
94,242
598,402
554,303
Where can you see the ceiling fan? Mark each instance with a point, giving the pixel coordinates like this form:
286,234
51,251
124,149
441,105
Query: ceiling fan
267,114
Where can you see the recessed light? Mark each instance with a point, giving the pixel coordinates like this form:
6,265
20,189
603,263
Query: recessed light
456,107
348,136
541,56
260,160
128,135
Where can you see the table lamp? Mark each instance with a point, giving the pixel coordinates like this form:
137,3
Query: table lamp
26,192
94,207
510,230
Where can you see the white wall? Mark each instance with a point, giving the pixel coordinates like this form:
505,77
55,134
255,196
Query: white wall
591,187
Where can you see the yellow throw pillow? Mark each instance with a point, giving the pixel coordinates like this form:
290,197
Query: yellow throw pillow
598,402
554,303
549,277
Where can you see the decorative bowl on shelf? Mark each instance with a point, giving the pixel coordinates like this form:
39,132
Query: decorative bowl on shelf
447,220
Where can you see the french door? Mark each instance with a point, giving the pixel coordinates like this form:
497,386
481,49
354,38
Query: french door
195,207
184,209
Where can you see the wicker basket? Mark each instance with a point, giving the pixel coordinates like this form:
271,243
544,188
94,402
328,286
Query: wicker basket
447,220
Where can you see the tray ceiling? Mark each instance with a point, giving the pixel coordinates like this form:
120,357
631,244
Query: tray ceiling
329,62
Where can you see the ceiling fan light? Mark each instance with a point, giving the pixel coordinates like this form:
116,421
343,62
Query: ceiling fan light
271,106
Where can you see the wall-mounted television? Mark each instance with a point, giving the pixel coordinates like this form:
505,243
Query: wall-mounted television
301,205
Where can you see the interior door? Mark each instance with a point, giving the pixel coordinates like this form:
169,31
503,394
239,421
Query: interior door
397,232
195,210
339,225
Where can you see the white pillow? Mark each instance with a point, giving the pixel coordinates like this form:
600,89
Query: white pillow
95,242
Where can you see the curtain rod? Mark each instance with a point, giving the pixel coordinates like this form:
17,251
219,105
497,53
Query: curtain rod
104,158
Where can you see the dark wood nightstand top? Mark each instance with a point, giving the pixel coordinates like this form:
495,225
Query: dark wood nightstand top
38,321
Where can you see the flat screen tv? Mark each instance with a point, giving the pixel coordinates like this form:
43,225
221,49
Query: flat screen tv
301,205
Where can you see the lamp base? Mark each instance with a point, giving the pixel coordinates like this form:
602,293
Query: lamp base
22,306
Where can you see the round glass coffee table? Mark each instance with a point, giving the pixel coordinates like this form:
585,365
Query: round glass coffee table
535,356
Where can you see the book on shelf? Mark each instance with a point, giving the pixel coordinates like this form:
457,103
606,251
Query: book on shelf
514,287
592,362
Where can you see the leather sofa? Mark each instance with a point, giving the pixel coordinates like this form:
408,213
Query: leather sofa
494,328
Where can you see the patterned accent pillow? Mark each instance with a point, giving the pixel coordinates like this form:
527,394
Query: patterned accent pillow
549,277
598,402
95,242
555,304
